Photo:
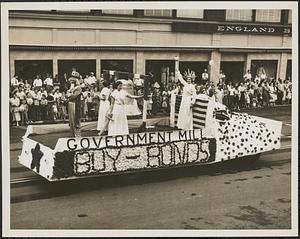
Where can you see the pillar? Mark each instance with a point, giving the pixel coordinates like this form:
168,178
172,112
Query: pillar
54,66
248,65
98,68
282,65
214,67
139,63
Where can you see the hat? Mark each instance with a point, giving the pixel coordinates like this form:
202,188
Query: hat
156,85
75,74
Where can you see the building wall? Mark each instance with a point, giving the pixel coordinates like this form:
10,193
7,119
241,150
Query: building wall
112,31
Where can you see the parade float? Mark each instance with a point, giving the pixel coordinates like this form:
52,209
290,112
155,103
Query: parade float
218,135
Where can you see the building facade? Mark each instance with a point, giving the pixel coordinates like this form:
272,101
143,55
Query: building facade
140,41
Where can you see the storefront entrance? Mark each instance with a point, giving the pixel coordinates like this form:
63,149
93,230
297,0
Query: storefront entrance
161,69
28,69
196,66
233,71
270,67
83,67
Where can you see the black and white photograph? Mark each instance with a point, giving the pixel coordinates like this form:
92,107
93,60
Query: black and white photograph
149,118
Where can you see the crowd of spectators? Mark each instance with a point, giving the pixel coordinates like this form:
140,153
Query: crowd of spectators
249,92
44,99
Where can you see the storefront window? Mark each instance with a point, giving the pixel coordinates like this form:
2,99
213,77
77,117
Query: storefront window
290,20
233,71
28,69
118,11
158,12
269,66
268,15
162,70
83,67
190,13
122,66
238,15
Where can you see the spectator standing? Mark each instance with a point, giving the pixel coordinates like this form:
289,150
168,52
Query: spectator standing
24,112
15,103
231,96
204,77
222,77
237,96
242,98
37,83
37,96
14,82
44,107
20,93
27,86
247,76
273,96
280,90
48,82
29,101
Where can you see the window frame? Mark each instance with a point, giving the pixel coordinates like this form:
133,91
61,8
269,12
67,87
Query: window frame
165,17
268,22
187,17
243,21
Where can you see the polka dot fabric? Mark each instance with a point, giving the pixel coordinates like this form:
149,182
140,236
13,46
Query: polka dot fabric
243,135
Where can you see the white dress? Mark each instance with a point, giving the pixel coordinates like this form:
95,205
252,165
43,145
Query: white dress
185,116
118,125
103,108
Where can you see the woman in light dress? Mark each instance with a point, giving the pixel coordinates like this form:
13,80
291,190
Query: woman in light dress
103,107
185,116
118,124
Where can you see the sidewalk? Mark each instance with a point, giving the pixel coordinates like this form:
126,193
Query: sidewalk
159,115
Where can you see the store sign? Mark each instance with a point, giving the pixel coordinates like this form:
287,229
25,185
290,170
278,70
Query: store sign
230,28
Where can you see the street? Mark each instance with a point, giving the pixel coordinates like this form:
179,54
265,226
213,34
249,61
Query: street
232,195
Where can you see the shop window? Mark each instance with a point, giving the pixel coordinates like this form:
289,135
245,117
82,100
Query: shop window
290,20
83,67
28,69
190,13
158,12
233,71
118,11
122,66
270,67
268,15
161,70
238,15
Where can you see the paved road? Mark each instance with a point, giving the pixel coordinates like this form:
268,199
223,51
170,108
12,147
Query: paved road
234,195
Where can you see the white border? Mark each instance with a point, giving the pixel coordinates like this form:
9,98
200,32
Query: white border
7,232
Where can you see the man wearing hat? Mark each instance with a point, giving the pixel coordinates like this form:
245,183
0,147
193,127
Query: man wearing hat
73,95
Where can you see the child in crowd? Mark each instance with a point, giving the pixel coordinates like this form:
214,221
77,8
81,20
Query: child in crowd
24,112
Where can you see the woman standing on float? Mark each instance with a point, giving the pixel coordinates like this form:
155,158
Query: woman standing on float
185,116
118,124
103,107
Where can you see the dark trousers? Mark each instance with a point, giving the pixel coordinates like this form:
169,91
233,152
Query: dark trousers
36,113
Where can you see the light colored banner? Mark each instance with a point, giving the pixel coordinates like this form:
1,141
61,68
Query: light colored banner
137,139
